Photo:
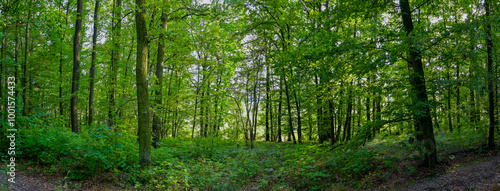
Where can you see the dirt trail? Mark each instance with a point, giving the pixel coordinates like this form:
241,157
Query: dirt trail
480,176
28,182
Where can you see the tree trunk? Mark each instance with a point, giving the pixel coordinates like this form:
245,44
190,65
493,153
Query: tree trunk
319,111
92,64
25,65
450,125
159,74
207,116
267,102
61,80
194,118
491,101
142,86
458,97
76,67
472,115
310,126
279,112
2,63
271,116
332,126
417,81
347,125
16,58
289,111
115,58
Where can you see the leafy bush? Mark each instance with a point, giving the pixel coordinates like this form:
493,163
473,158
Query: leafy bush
81,156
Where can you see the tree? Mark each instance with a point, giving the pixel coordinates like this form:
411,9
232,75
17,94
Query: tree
76,67
142,86
92,65
489,65
115,58
417,81
159,82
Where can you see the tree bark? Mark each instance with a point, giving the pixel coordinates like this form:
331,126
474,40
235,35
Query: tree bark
25,65
2,63
115,58
491,101
159,83
76,67
267,101
289,111
279,112
319,111
417,81
92,64
142,86
331,120
458,97
347,125
450,125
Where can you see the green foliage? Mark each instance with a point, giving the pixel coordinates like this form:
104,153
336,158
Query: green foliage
82,156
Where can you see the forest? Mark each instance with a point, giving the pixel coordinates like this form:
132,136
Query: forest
249,94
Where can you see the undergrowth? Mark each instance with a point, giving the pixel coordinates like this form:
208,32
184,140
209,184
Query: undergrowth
221,164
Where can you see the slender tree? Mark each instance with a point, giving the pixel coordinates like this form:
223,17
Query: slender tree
115,58
489,65
159,82
142,86
417,81
92,63
76,67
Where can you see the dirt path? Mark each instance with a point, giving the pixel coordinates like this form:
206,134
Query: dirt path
28,182
481,176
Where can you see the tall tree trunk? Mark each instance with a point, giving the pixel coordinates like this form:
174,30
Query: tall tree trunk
290,119
331,120
319,111
3,60
92,64
472,115
458,97
115,58
368,134
267,101
61,79
436,120
207,114
310,126
271,114
159,83
255,110
142,86
450,125
25,65
347,125
16,58
195,108
340,113
491,101
417,81
279,112
76,67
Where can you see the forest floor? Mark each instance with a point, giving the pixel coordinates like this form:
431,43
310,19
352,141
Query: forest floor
464,170
473,169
